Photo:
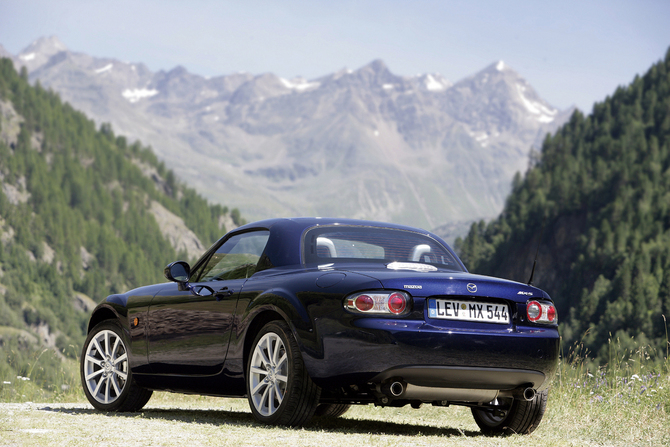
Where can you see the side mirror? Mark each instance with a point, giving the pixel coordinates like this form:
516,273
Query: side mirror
178,271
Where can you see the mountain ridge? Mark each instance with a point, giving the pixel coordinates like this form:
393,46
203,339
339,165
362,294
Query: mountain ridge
271,146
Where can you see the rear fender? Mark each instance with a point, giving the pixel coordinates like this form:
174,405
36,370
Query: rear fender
289,307
276,304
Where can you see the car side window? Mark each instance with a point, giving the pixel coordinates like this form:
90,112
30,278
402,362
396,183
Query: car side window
236,258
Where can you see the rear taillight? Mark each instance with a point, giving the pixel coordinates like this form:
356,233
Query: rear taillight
541,312
534,310
364,303
390,303
397,303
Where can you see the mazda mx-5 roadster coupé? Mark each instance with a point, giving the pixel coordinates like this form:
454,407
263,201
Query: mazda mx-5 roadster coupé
309,316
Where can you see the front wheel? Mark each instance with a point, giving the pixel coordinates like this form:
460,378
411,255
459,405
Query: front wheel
105,373
279,390
521,417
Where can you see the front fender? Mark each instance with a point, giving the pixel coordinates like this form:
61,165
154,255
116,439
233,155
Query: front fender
109,310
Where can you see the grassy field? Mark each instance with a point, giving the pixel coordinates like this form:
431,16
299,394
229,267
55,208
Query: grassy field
627,404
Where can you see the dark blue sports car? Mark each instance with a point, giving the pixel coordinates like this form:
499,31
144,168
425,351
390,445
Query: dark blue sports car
309,316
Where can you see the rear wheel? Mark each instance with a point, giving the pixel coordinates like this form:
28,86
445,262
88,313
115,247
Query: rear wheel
331,410
521,417
279,390
105,373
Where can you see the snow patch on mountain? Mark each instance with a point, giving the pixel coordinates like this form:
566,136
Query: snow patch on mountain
299,84
546,115
104,69
433,84
134,95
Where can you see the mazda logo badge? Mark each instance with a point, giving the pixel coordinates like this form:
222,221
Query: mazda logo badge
472,288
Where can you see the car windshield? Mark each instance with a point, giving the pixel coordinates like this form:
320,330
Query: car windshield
335,244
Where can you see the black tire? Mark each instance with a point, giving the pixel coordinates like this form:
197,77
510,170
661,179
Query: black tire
279,389
105,373
523,417
331,410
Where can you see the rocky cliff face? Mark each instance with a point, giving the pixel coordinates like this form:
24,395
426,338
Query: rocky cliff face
365,143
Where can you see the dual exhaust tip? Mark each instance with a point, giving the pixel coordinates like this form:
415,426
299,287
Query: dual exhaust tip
396,389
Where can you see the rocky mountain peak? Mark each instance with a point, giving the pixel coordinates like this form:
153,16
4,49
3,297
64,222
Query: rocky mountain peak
376,73
39,52
495,72
178,72
377,66
274,146
45,45
501,90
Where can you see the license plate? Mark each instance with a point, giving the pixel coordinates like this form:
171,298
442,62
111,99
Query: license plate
468,311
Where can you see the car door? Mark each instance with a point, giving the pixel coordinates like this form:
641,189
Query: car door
189,334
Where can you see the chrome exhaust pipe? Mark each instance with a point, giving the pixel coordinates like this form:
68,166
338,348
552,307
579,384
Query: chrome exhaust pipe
529,394
526,394
397,388
393,389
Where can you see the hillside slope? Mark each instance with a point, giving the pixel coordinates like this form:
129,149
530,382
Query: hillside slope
598,202
83,214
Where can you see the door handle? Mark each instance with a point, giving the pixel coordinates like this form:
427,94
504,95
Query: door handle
224,293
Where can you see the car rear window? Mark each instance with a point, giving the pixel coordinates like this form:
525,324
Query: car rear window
336,244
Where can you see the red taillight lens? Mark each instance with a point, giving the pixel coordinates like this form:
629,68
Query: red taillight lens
364,303
397,303
389,303
534,311
541,312
551,314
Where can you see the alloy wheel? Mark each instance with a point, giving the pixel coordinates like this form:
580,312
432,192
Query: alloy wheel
268,377
105,366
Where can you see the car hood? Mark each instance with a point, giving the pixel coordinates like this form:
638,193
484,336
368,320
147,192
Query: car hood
442,282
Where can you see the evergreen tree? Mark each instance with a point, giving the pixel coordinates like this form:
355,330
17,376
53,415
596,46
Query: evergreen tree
599,198
80,222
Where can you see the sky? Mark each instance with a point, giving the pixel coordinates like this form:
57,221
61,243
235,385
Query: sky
571,52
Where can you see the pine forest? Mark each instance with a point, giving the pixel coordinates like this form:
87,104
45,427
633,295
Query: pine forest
75,222
595,207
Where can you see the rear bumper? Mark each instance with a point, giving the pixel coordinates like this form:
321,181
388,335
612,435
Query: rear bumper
474,356
463,377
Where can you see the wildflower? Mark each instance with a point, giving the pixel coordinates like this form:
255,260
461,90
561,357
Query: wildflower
6,383
635,377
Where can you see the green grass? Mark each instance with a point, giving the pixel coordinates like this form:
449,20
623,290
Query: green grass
625,403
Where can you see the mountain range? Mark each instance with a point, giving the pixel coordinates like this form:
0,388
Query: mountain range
362,143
